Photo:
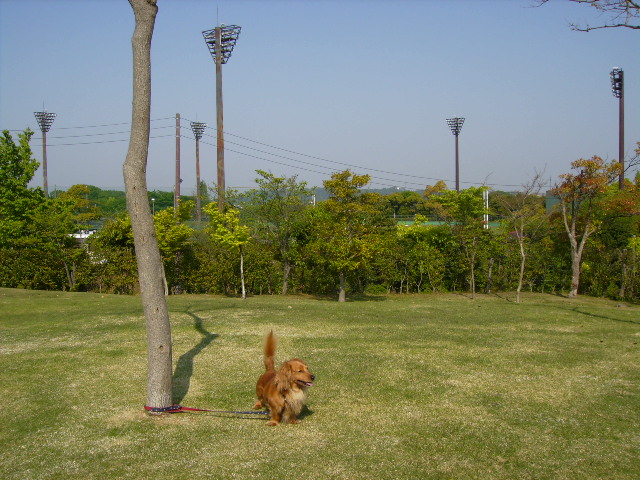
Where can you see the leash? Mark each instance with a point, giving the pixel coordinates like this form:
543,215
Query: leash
180,409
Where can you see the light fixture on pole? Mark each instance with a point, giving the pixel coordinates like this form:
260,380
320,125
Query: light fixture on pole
45,120
455,124
617,88
220,41
198,130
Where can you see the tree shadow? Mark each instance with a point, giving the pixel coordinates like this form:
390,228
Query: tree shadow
184,368
357,297
595,315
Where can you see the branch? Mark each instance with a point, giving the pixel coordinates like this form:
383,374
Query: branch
622,13
577,28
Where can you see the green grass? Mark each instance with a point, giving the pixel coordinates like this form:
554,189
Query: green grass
407,387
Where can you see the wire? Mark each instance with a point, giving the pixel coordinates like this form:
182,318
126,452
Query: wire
108,133
103,141
314,166
111,124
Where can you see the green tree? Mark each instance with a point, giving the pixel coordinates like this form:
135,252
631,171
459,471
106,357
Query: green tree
173,238
424,258
52,227
113,266
276,211
464,213
18,201
225,229
404,203
344,226
83,209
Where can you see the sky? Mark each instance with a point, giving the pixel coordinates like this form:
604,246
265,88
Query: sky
315,87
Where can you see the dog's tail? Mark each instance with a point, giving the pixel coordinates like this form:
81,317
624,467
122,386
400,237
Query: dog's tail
270,352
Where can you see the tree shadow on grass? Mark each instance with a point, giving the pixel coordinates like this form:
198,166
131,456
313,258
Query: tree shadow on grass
184,367
356,297
581,311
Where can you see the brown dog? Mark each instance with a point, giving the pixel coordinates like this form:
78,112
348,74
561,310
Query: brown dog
283,392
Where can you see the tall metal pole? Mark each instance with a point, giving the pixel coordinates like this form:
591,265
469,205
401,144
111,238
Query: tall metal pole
45,181
617,88
221,40
176,197
457,165
198,130
455,124
219,120
45,120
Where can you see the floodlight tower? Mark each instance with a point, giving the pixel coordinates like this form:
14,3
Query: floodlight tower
617,88
45,120
220,41
198,130
455,124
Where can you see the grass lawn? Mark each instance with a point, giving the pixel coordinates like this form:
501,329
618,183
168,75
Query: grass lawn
407,387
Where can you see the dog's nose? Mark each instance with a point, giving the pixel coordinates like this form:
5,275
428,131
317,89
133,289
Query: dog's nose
313,377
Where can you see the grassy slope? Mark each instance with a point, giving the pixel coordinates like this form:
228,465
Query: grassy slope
407,387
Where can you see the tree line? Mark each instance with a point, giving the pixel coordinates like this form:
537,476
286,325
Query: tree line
274,239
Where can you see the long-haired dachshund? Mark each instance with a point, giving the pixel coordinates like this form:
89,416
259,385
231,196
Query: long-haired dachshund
283,392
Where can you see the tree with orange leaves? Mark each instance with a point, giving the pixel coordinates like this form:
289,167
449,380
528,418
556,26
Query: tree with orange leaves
578,194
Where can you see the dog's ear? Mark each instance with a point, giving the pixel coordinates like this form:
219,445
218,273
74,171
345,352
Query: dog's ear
284,377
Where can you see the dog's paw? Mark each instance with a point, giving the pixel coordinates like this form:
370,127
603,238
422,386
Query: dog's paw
272,423
257,405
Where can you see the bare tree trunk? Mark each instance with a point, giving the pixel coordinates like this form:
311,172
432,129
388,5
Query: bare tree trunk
490,276
342,296
285,274
471,257
244,292
623,273
576,252
523,262
150,270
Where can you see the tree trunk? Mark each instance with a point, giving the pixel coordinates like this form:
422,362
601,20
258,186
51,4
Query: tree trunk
576,259
285,275
342,296
490,276
522,265
244,292
150,269
623,273
575,274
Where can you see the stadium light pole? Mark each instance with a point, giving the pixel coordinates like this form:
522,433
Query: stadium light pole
45,120
198,130
176,193
455,124
617,88
220,41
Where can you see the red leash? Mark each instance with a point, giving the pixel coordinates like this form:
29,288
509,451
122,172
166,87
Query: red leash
180,409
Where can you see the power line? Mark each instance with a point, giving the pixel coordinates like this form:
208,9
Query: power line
111,124
314,166
103,141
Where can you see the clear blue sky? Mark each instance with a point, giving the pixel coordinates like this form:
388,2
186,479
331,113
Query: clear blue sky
357,84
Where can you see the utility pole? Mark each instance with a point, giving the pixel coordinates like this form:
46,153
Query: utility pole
455,124
617,88
45,120
220,42
176,197
198,130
